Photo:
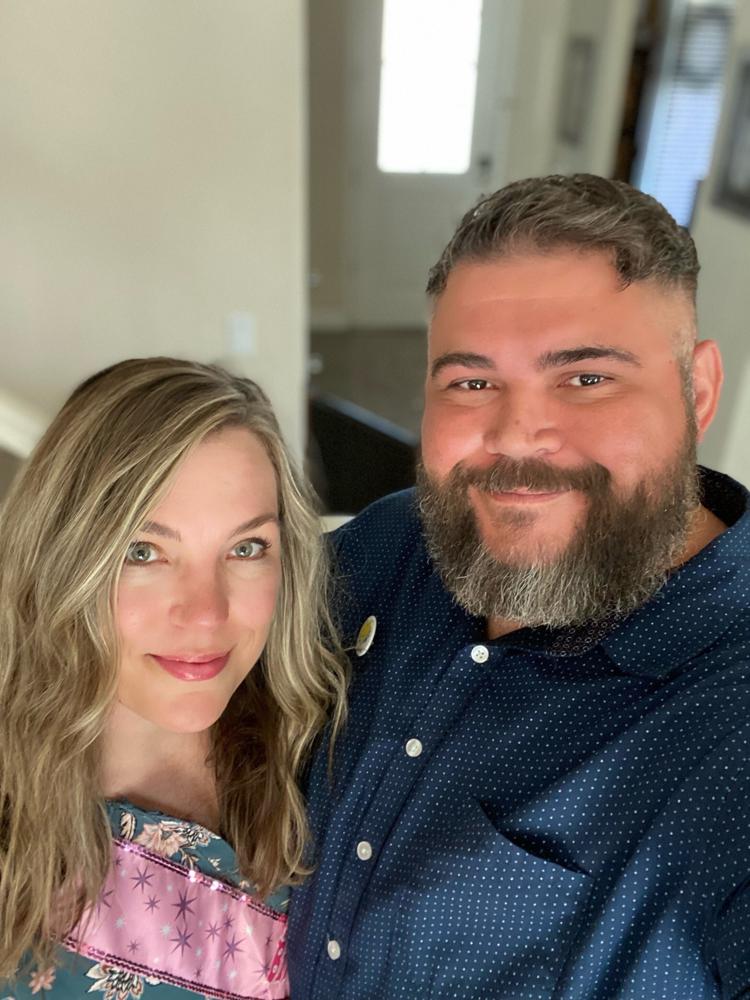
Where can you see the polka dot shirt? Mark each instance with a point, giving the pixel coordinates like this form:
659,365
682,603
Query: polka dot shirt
553,814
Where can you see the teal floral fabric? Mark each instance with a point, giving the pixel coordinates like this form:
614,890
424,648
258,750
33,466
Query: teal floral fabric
187,844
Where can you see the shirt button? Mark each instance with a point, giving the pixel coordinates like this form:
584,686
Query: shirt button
364,850
480,654
334,951
413,748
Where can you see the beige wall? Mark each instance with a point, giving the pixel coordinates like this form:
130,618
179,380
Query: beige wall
723,240
152,182
327,30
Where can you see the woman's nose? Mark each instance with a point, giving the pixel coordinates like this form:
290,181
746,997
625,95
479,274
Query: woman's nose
201,601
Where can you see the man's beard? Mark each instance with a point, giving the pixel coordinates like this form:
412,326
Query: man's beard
618,557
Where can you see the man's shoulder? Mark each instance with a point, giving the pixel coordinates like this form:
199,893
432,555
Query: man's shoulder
378,553
389,522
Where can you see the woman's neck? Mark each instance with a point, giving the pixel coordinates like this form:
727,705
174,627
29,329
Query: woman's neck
157,769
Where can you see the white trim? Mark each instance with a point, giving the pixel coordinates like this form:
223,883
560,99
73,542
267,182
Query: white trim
734,456
21,425
333,521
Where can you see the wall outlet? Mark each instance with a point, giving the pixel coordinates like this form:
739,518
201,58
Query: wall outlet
241,334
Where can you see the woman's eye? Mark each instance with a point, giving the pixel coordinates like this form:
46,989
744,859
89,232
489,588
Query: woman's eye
251,548
586,379
140,553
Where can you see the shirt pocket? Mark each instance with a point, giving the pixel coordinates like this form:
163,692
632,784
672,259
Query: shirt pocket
498,924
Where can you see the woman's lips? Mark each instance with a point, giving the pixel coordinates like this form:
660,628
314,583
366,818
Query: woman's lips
193,668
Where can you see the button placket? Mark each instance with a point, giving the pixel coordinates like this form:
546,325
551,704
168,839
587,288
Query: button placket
393,788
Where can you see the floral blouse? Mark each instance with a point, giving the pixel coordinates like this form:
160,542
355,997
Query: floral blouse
174,918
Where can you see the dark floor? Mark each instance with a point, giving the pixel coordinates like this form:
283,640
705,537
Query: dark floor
382,371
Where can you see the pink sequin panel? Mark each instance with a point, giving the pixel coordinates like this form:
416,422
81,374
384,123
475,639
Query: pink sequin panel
168,923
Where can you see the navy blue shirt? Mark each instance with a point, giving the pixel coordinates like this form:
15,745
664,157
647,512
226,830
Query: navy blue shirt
553,814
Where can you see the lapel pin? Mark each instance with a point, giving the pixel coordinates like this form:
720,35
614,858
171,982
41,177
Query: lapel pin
366,635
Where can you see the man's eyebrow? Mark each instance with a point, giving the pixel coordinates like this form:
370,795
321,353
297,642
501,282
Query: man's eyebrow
463,358
572,355
164,531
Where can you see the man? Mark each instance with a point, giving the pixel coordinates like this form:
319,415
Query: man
544,786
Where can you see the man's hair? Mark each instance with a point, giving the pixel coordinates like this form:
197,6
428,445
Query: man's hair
582,212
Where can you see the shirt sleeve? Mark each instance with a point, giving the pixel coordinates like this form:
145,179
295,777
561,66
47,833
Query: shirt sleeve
726,865
729,946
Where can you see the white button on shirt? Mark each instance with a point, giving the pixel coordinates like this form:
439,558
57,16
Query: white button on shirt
480,654
413,748
334,950
364,850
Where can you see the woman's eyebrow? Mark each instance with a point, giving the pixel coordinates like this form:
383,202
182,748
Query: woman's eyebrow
464,358
256,522
154,528
164,531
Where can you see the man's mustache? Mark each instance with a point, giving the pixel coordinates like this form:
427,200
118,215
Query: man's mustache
507,475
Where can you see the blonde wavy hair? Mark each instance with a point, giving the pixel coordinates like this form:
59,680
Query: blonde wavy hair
104,463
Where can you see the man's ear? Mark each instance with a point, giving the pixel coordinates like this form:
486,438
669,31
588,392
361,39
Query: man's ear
708,375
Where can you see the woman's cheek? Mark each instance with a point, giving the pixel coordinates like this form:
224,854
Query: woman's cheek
137,605
258,601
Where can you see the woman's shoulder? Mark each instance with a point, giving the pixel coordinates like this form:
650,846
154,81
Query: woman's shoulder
184,843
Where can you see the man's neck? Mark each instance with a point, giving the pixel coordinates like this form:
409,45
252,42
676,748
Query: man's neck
704,527
498,627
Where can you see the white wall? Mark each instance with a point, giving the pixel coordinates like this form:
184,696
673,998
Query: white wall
152,182
610,25
542,31
723,241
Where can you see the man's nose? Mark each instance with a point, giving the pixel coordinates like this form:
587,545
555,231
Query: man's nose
201,600
523,424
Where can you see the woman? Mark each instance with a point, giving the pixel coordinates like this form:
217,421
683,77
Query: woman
164,669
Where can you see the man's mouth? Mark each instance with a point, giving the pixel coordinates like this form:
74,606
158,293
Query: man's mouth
524,495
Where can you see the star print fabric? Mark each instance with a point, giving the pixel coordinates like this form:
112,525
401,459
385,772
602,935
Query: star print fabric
173,916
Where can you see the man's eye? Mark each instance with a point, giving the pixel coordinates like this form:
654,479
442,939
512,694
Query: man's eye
140,553
250,548
586,379
472,384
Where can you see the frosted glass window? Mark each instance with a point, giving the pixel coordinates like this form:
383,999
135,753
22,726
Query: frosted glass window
428,82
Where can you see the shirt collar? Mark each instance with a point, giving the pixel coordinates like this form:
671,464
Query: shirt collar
696,605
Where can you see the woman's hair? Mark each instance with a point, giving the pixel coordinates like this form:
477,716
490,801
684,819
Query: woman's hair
104,463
